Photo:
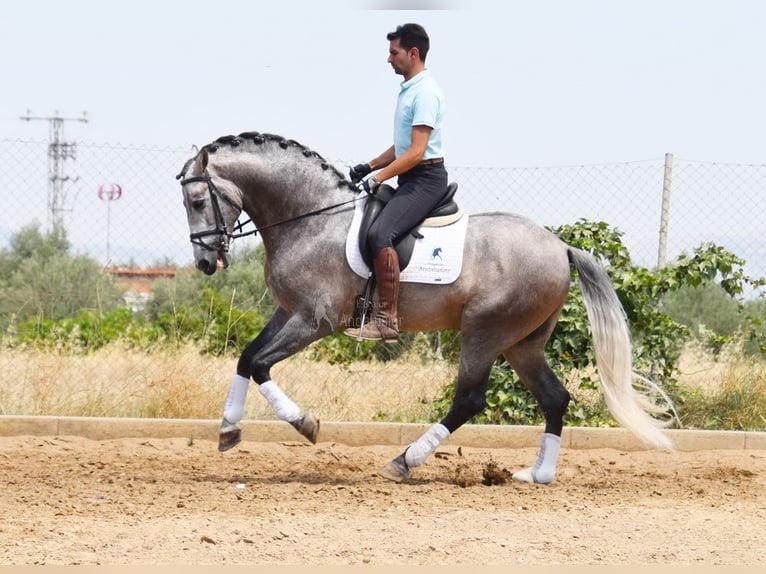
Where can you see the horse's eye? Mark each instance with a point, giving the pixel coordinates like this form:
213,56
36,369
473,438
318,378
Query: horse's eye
198,204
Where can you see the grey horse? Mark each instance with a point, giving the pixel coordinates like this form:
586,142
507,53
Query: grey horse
513,285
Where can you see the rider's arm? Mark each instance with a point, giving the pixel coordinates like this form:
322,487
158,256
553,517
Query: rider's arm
383,159
409,159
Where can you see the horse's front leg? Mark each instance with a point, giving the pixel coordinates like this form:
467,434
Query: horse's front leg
230,434
283,336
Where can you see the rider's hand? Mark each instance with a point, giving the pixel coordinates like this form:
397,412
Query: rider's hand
370,185
357,172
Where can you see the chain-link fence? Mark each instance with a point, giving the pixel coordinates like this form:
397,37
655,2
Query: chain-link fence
146,225
121,205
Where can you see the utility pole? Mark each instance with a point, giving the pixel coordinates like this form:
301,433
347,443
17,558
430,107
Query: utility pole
59,151
667,183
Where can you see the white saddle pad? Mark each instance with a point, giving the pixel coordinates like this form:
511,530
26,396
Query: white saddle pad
437,258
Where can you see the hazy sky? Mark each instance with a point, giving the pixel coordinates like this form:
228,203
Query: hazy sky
527,83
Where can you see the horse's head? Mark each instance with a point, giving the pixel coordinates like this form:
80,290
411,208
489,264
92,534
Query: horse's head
212,210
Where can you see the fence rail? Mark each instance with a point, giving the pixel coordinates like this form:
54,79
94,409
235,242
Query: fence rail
682,204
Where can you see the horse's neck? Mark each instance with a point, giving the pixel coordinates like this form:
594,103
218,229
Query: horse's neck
287,200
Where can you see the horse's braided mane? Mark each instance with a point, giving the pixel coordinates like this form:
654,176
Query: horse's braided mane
259,139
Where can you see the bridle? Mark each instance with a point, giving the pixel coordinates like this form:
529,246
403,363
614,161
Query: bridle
221,230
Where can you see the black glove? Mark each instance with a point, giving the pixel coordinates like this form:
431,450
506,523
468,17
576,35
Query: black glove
357,172
370,185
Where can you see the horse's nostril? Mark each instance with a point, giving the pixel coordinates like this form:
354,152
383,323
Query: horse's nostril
204,266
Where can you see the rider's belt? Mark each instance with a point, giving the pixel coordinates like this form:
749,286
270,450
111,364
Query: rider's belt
432,161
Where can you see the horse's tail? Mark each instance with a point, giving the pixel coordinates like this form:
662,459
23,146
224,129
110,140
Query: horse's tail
613,350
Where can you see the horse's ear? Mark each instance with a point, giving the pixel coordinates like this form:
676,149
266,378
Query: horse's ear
202,158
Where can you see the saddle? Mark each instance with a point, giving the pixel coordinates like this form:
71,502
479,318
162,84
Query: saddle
446,211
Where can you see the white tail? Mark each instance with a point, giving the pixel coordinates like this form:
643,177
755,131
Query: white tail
612,346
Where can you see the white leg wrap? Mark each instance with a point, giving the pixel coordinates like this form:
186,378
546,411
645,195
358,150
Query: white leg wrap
234,407
417,453
283,407
544,470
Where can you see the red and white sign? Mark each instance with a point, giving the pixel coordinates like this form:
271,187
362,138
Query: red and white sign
109,191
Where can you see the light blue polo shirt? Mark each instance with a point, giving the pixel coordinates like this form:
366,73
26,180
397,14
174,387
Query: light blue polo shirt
420,103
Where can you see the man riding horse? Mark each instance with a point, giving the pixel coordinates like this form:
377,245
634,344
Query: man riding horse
416,157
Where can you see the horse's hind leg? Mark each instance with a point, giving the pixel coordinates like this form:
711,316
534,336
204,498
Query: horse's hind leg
528,360
470,399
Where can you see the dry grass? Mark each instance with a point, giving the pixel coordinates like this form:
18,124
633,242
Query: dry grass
727,392
699,369
724,393
183,384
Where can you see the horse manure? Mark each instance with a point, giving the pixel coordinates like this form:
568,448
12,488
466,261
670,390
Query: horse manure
494,475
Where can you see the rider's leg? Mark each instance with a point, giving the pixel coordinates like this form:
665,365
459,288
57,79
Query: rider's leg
384,324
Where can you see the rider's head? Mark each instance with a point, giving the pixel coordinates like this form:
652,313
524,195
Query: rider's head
411,36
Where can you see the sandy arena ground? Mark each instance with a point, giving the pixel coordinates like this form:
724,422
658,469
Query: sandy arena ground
69,500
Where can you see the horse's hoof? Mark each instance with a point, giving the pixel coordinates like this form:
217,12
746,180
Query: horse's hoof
528,475
396,470
229,439
308,426
524,475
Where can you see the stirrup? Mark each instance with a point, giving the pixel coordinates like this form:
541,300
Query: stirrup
372,331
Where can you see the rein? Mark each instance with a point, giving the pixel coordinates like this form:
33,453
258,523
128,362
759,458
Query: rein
220,224
302,215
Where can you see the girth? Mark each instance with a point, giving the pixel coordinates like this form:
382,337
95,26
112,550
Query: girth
404,246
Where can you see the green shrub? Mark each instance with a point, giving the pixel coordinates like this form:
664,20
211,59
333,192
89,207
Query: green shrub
89,330
208,318
41,281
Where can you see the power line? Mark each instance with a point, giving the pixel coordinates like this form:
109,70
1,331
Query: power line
59,151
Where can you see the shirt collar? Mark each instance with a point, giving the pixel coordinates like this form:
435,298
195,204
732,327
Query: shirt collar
415,79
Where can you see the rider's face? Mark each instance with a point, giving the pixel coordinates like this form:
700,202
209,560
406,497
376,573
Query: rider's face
401,60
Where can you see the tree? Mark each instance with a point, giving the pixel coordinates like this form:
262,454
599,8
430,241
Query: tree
40,280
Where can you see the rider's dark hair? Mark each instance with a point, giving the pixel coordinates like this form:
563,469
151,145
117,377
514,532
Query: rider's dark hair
411,36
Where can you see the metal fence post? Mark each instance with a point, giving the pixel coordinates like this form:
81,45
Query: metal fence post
665,216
